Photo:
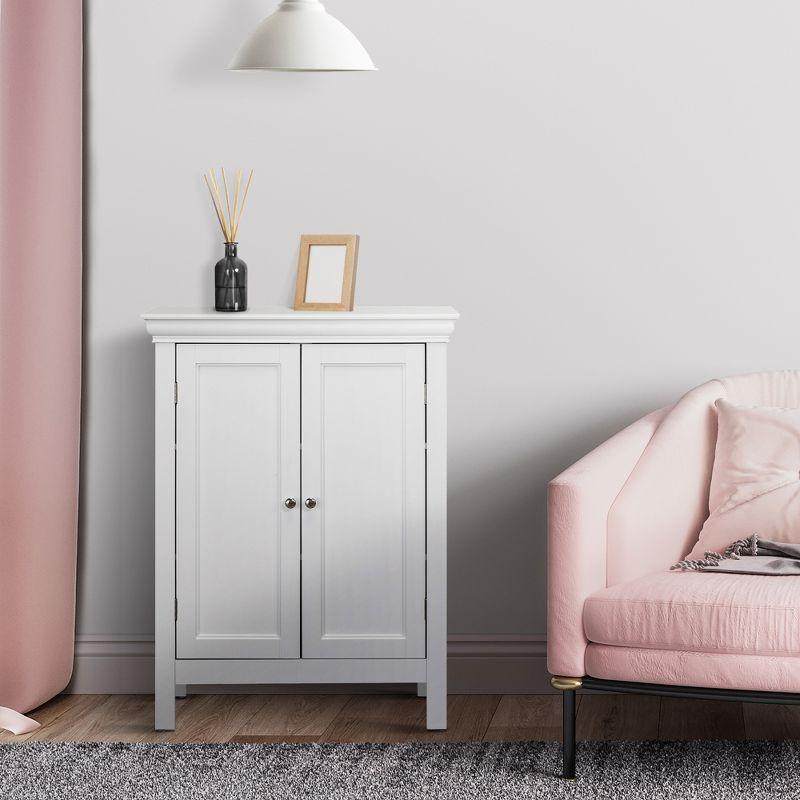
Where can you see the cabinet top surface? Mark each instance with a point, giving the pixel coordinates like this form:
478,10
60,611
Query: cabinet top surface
277,323
284,313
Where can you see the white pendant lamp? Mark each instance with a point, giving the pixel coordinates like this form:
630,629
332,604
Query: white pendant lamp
301,36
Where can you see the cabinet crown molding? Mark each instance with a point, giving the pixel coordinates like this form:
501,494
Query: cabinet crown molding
365,323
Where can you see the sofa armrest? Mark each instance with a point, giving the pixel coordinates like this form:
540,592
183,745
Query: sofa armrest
578,503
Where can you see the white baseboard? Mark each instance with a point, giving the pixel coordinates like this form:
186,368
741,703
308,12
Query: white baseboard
477,664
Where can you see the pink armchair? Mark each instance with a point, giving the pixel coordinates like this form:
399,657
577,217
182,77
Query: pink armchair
618,619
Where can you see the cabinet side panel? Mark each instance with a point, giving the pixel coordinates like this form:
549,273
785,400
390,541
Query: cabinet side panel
165,535
436,377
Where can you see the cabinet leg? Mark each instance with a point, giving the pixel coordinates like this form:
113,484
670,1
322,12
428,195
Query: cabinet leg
180,690
436,693
165,696
165,710
422,690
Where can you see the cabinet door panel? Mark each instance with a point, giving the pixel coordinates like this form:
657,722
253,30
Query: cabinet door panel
363,418
238,546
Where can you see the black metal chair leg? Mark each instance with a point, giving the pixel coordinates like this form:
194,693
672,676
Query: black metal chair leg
567,686
568,747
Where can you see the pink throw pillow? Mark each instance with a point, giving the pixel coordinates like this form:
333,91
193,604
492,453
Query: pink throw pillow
755,483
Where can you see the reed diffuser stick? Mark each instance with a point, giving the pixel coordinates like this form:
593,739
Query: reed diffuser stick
227,201
216,207
229,219
214,195
226,228
236,198
244,200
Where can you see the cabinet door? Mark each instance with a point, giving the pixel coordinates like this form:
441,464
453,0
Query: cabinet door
364,467
238,459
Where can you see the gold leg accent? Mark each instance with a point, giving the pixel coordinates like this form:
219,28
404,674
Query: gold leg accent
565,684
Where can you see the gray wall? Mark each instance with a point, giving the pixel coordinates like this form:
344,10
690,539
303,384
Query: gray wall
608,192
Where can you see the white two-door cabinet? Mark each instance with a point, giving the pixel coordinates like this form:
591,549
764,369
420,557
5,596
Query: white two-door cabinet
301,499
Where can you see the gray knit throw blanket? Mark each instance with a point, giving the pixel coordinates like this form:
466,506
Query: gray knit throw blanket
750,556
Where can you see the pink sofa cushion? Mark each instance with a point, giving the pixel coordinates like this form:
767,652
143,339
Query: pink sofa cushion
755,482
708,612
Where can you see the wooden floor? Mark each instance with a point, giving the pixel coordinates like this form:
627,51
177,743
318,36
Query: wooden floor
401,718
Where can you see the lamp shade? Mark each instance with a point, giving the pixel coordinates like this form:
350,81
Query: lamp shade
300,35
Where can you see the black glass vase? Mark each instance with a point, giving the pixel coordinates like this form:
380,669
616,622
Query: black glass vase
230,281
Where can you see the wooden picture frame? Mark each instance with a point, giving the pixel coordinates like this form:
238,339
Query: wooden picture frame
326,272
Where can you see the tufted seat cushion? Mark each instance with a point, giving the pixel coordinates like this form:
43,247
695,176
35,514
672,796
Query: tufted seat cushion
707,613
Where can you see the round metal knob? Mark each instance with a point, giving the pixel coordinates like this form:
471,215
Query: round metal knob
290,502
311,502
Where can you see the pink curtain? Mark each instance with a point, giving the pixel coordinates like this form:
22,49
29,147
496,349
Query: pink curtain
40,343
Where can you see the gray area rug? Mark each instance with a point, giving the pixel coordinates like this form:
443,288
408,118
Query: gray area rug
697,770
